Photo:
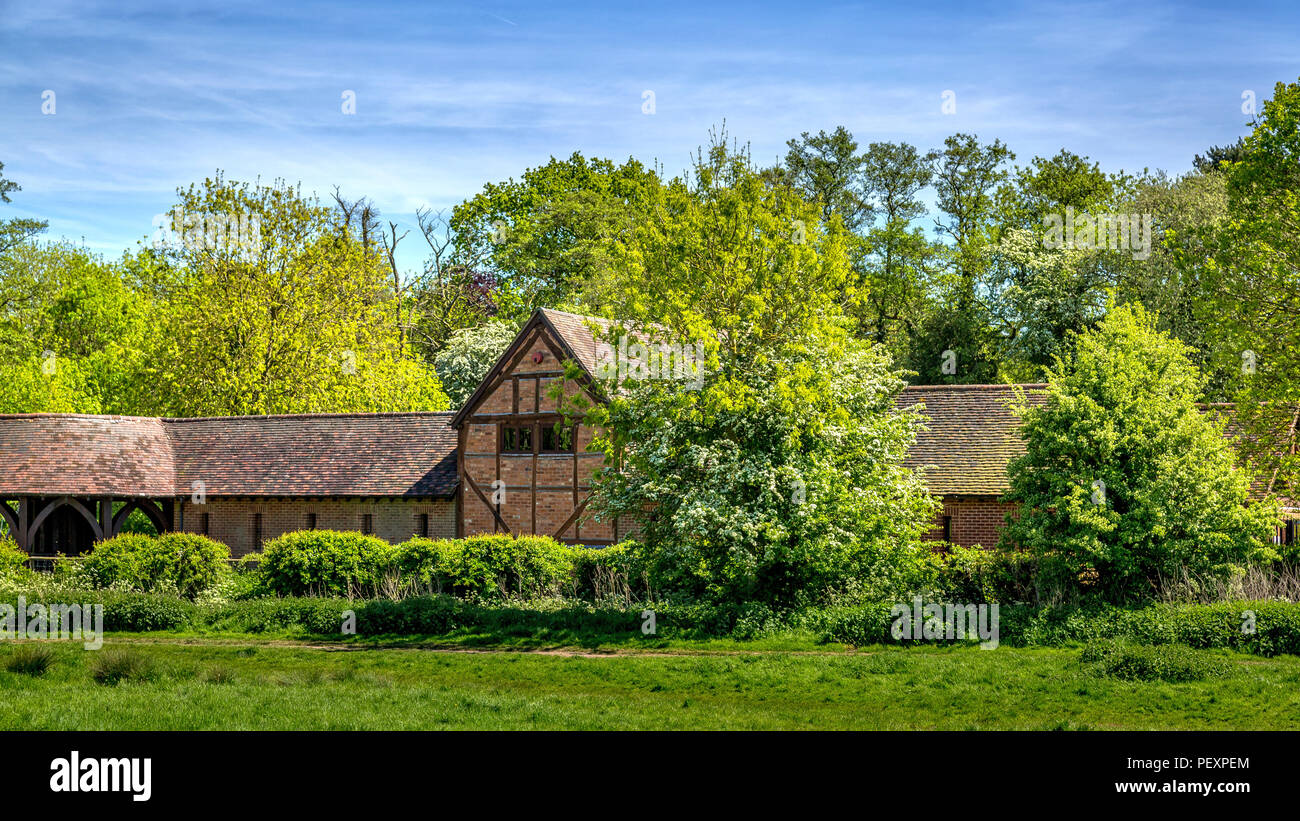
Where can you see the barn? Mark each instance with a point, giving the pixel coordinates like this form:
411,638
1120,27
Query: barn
507,461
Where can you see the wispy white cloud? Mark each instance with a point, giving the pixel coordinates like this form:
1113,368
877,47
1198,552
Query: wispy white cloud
152,96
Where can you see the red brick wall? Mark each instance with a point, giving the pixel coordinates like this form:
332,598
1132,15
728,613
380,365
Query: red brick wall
231,521
973,520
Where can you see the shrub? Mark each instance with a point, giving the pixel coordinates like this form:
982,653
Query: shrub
30,660
12,560
327,563
116,666
314,615
976,575
1125,481
609,573
186,562
1167,662
489,568
146,612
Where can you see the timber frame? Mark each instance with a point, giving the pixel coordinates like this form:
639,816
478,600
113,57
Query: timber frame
525,410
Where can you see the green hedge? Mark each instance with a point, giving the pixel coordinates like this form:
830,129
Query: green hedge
327,563
185,562
489,568
1165,662
1275,629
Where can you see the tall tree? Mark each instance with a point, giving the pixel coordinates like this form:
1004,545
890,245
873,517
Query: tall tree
1251,280
955,341
545,237
898,260
825,168
1124,481
282,308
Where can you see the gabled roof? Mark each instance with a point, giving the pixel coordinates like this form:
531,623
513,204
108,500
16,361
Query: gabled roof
575,331
359,454
572,332
972,436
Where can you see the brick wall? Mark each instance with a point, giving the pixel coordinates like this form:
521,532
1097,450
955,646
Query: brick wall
232,521
973,520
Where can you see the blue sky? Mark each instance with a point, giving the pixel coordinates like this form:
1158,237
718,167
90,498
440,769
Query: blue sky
152,96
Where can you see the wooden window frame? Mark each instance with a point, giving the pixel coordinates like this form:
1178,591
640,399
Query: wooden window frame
558,429
513,449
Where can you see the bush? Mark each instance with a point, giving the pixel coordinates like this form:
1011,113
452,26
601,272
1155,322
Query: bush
145,612
489,568
1261,628
1167,662
12,560
976,575
314,615
609,573
30,660
186,562
327,563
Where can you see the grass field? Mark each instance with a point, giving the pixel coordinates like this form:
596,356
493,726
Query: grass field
213,683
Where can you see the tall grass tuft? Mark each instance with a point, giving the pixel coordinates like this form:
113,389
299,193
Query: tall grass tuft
117,666
30,660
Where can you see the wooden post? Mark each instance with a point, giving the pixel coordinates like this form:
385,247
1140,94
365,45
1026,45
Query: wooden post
24,522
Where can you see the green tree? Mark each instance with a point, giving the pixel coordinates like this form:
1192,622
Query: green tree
545,238
780,481
465,359
955,341
826,169
775,472
896,266
727,258
1039,295
1124,480
74,336
16,230
280,308
1250,281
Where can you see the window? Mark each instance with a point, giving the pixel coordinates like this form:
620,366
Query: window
424,524
311,521
947,528
556,439
517,439
367,523
203,523
257,530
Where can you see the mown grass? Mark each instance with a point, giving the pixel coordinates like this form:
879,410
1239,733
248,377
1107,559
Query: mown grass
205,684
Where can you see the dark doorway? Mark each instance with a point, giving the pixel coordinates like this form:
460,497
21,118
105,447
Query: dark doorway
64,531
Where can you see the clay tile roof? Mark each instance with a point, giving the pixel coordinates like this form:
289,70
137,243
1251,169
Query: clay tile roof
380,454
356,454
576,332
972,436
63,454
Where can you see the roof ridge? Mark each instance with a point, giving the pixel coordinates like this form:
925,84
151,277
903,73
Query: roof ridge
318,415
984,386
